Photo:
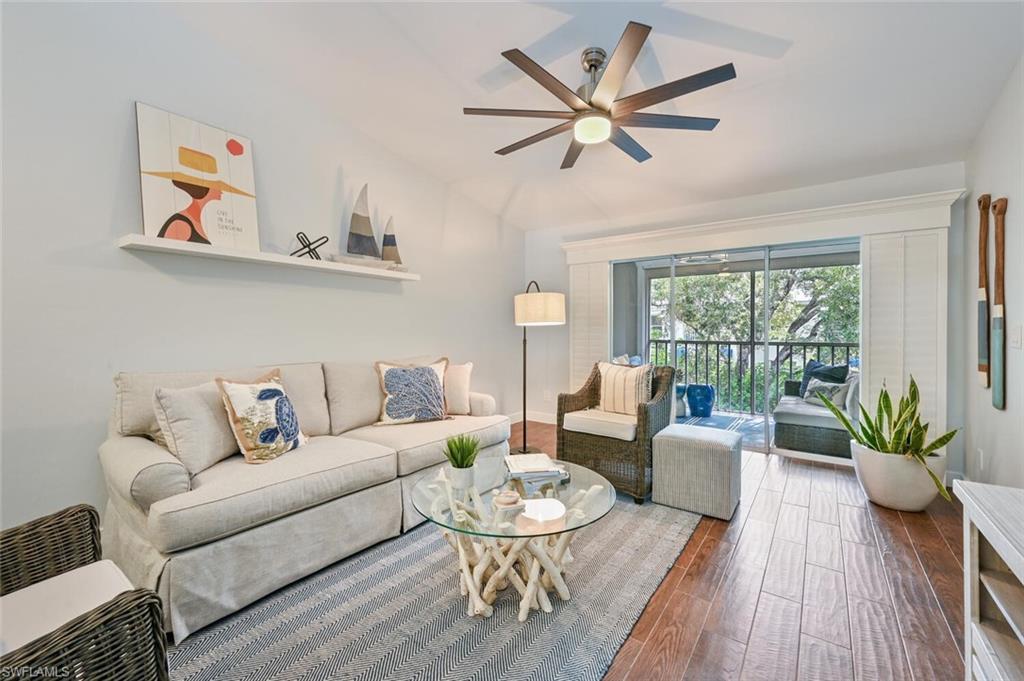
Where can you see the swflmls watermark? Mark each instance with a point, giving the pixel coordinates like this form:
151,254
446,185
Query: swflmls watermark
28,672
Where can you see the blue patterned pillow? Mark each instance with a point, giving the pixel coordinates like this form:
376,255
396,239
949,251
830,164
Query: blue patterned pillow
412,393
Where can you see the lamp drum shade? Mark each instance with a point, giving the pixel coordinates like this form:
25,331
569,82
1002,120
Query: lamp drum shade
540,309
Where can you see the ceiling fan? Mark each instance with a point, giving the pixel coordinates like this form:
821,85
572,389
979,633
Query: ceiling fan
597,115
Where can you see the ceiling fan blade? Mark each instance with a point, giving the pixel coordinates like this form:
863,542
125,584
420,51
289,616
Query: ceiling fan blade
651,120
676,88
520,113
543,135
619,65
629,145
573,153
547,81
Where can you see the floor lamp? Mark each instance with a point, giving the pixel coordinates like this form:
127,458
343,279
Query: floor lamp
536,309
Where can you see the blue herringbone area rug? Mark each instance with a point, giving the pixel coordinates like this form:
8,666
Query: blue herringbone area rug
394,612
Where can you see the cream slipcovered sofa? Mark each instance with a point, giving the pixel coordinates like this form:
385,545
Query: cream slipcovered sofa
211,543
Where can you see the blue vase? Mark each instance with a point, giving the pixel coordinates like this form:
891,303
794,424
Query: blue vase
701,399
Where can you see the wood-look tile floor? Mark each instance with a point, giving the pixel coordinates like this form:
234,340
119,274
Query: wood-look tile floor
808,580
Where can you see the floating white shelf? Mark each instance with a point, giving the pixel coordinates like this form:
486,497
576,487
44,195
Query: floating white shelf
141,242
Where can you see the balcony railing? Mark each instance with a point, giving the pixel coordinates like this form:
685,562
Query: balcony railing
737,368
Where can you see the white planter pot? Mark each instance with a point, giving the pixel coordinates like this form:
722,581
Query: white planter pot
462,478
894,481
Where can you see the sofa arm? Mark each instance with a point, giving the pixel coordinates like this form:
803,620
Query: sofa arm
482,404
791,388
141,471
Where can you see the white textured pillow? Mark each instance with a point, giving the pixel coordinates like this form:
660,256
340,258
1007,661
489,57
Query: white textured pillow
194,425
456,388
835,392
624,389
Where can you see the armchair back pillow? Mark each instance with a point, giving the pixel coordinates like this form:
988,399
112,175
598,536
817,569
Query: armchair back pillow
623,388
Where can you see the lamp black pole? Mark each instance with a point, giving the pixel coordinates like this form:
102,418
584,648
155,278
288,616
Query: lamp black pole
524,448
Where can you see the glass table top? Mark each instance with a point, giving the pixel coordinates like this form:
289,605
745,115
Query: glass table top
521,509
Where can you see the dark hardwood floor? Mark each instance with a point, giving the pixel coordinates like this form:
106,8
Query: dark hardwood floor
808,580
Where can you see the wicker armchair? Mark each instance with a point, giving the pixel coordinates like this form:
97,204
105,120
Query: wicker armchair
123,639
626,464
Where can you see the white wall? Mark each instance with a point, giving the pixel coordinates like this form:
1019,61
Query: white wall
994,439
76,309
546,262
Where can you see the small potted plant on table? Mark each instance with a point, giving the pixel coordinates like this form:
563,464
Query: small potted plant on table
895,466
461,451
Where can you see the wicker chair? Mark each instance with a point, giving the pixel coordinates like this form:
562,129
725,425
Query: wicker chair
627,465
123,639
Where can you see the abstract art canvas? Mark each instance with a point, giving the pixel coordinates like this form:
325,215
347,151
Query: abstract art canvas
198,183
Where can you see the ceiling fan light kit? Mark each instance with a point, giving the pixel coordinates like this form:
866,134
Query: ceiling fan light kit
596,115
592,127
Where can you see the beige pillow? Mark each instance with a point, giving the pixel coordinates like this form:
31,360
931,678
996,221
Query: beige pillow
194,425
456,388
262,417
623,389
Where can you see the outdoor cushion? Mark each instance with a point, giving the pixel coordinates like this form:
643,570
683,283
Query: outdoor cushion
795,411
232,496
40,608
422,444
603,423
133,405
823,372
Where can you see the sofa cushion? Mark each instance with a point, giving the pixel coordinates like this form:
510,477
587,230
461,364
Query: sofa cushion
422,444
795,411
133,405
354,397
603,423
232,496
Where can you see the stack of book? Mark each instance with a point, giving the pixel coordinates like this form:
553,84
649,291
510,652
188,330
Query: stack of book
535,470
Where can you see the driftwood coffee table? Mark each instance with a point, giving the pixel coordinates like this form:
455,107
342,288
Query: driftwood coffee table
526,546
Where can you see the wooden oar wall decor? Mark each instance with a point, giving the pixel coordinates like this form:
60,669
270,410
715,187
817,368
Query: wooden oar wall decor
999,309
984,202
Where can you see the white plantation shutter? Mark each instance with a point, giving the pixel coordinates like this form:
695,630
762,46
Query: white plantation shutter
904,283
589,333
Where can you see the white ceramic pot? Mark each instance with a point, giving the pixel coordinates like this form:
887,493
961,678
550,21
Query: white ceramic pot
462,478
894,481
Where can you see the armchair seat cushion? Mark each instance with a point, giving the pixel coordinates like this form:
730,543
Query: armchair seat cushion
420,445
37,610
232,496
602,423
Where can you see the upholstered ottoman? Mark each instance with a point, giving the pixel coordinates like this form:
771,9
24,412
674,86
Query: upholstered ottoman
697,469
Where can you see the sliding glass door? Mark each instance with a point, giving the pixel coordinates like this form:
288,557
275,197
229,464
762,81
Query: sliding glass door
739,347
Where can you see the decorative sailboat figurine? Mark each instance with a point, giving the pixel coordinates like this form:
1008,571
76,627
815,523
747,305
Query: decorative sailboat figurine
361,241
390,245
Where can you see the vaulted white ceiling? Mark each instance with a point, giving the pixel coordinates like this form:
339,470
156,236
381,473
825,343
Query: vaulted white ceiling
823,92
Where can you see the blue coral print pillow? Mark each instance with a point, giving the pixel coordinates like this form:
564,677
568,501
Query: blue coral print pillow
262,417
412,393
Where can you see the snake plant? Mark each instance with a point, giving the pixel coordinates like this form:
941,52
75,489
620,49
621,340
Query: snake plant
461,450
896,432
